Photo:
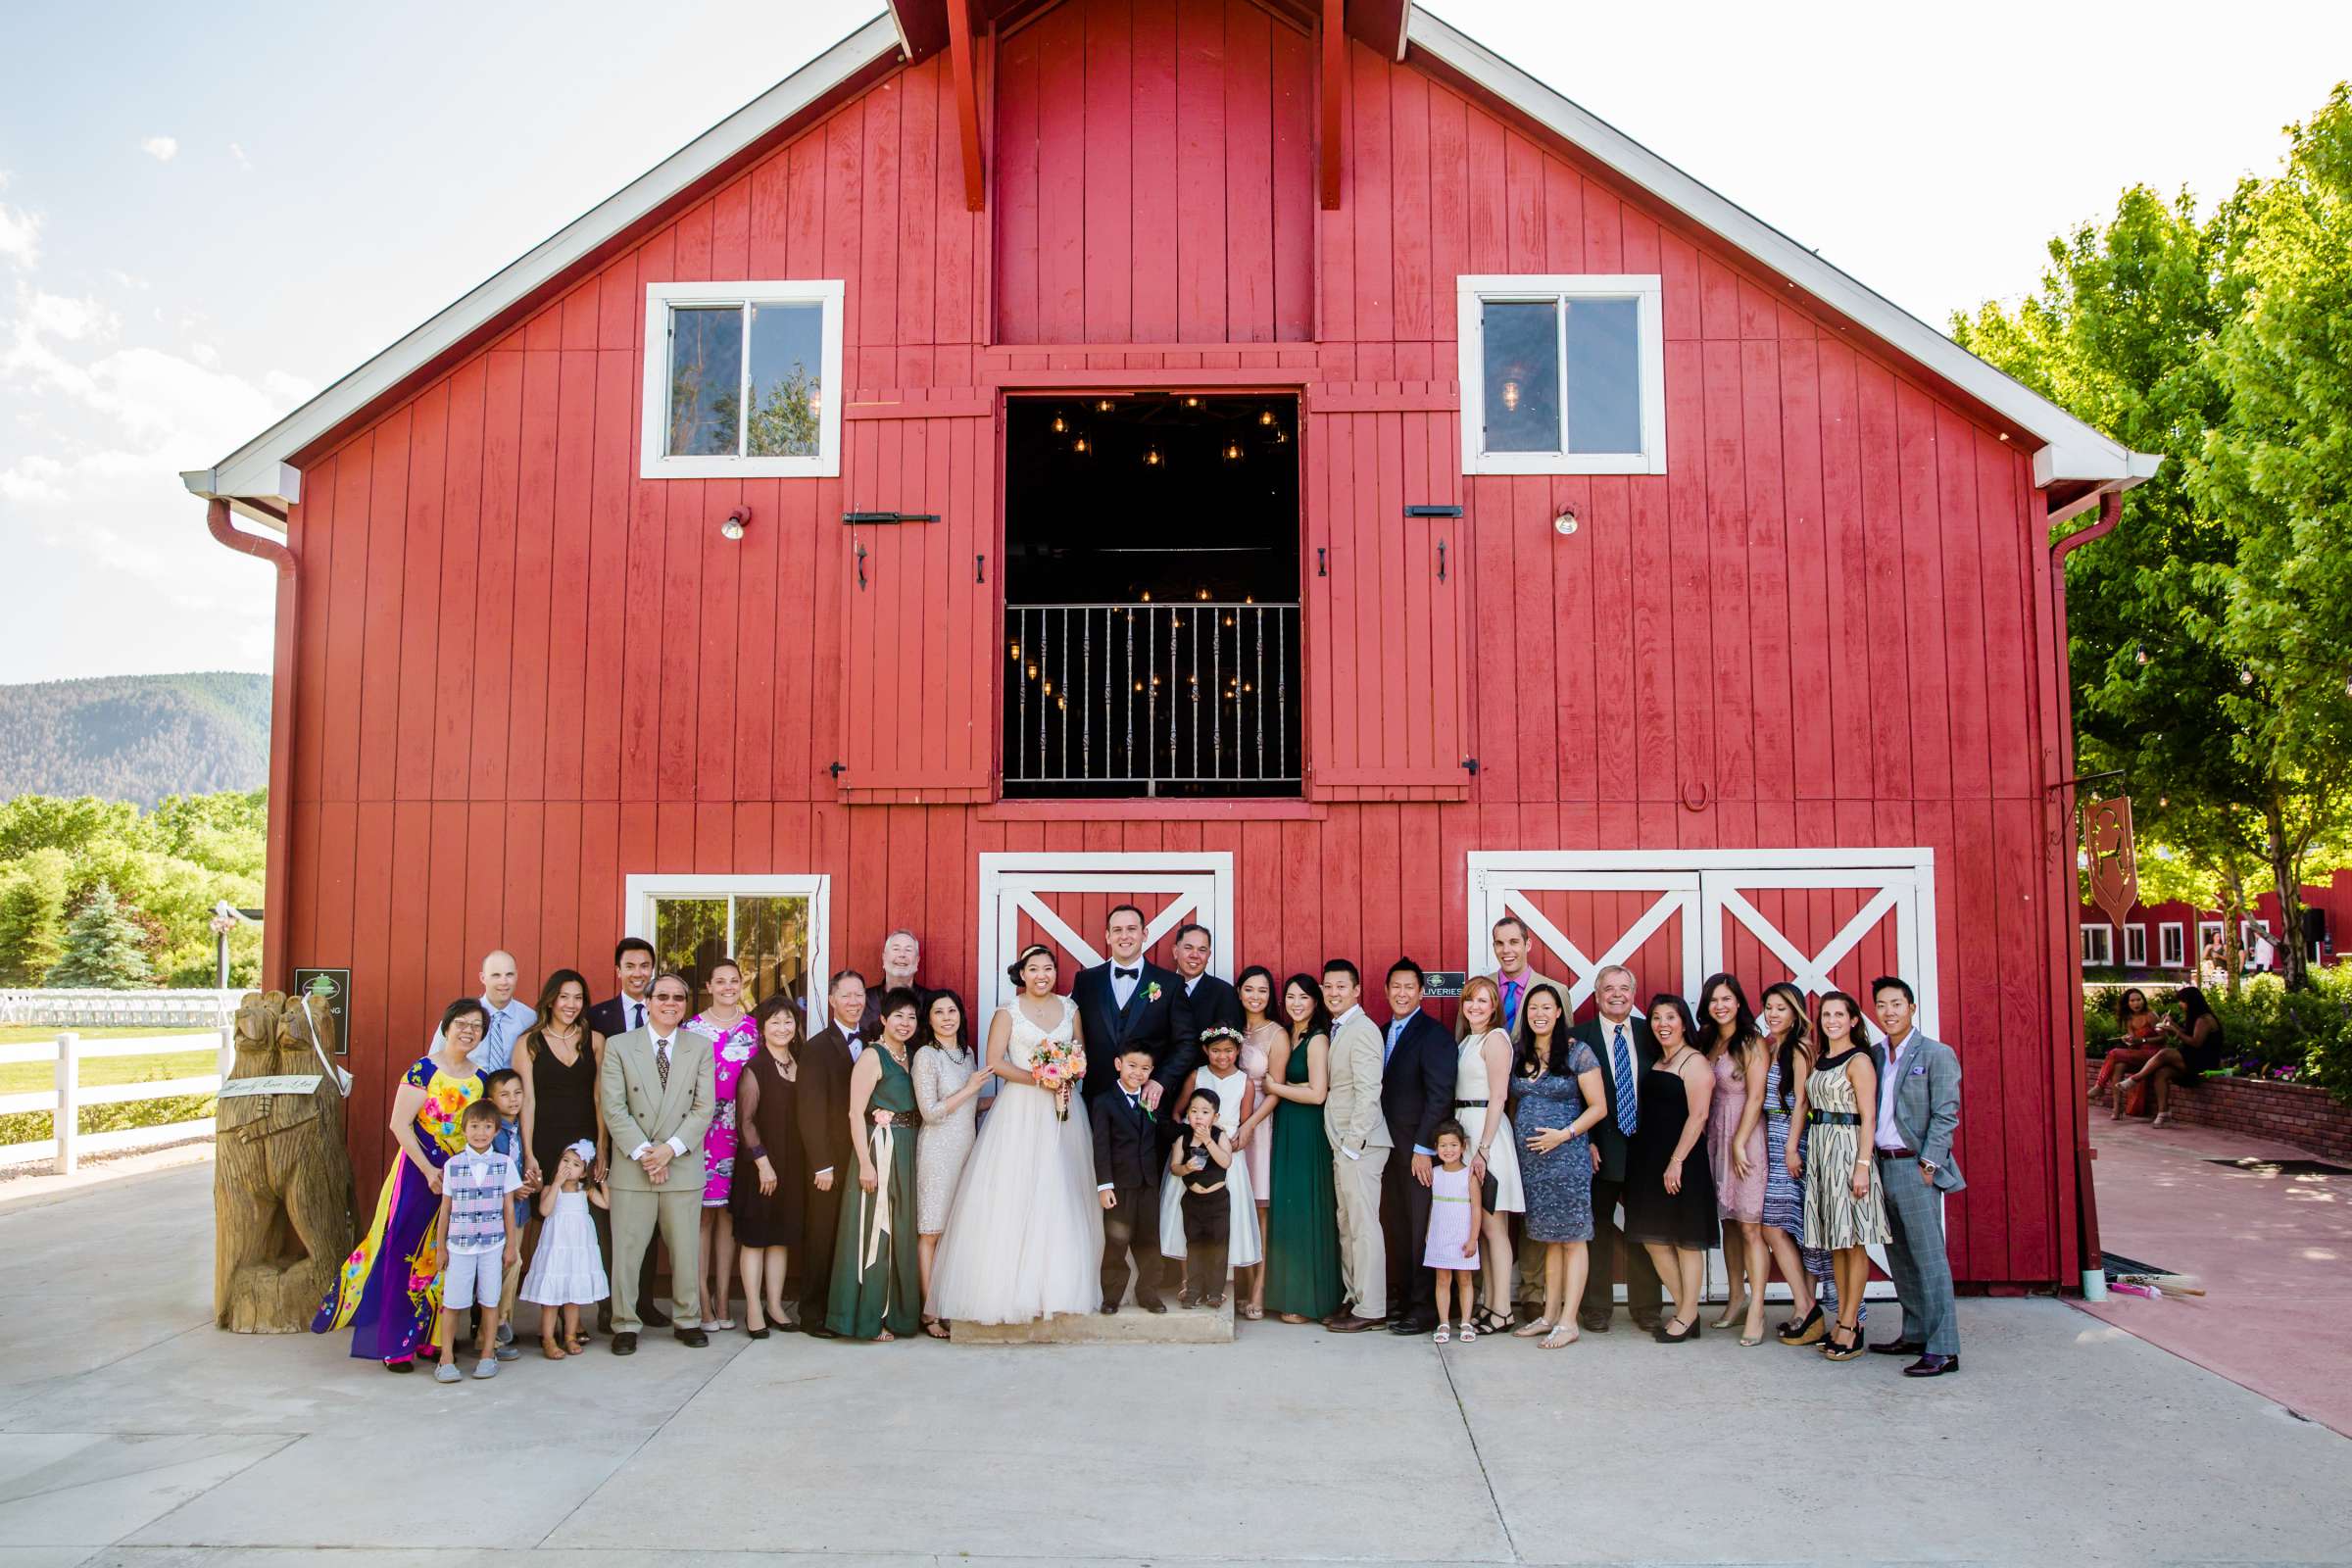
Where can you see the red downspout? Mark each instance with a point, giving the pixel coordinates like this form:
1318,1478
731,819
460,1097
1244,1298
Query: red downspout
2066,896
278,910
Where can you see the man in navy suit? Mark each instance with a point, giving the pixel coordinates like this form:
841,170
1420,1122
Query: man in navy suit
1416,1092
1131,1001
1212,999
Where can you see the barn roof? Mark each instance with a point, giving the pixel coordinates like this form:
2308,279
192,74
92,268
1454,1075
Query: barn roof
260,480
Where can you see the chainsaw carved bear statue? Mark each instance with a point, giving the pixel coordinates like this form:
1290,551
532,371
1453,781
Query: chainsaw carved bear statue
282,1178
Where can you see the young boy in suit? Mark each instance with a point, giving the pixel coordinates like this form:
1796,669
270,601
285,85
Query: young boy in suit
1127,1175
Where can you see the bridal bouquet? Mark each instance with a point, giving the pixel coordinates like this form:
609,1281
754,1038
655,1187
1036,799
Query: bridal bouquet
1057,1064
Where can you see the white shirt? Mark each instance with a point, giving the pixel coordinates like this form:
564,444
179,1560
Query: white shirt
1193,981
1122,987
507,1024
663,1045
1633,1055
632,1013
1887,1135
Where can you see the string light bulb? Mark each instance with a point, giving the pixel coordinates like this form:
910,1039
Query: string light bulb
1081,447
2246,677
2139,654
1203,596
1191,401
1265,416
1233,452
1152,458
1104,405
1062,425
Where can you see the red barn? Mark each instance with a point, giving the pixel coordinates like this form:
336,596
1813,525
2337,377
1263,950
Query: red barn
1278,461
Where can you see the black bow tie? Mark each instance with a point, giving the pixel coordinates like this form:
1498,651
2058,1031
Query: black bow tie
1124,974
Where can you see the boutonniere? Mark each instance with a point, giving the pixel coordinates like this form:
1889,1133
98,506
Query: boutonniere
1152,992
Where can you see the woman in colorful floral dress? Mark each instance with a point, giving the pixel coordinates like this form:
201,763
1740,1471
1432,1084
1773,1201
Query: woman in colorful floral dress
389,1291
733,1037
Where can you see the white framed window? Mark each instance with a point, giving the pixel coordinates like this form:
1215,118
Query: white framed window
2098,946
2136,946
774,927
1562,373
2209,933
2172,952
743,380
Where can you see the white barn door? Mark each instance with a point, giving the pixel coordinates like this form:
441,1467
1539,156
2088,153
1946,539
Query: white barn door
1061,900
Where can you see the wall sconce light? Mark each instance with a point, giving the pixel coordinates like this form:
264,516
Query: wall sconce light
1565,523
733,527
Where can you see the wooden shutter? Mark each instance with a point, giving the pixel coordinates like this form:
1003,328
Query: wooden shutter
919,626
1384,598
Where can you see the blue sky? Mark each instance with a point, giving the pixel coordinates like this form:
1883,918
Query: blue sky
208,212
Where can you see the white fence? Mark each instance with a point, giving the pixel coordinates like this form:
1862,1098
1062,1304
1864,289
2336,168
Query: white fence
68,1143
121,1010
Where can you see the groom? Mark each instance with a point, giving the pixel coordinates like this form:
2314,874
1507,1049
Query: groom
1132,1001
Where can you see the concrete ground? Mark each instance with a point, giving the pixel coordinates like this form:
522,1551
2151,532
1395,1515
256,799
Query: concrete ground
133,1432
2273,1252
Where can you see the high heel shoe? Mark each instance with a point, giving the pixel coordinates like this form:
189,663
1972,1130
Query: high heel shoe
1808,1332
1731,1316
1835,1350
1667,1335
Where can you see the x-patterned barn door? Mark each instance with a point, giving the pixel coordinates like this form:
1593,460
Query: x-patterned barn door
1062,898
1584,921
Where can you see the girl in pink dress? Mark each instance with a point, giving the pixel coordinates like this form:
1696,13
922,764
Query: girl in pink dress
733,1037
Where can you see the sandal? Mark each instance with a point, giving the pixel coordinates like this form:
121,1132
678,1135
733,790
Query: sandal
935,1328
1444,1335
1489,1321
576,1343
1291,1318
1560,1337
1255,1312
552,1350
1469,1332
1533,1328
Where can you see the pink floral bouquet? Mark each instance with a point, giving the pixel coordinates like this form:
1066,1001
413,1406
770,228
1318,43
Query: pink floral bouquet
1057,1064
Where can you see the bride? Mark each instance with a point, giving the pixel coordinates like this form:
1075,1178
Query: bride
1024,1239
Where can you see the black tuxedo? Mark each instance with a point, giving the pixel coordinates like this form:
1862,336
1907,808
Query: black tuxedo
1416,1092
610,1019
1161,1025
1127,1156
1213,1002
821,1111
1614,1260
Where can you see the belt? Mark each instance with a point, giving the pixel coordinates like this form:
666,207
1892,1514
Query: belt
905,1118
1469,1104
1836,1119
1897,1153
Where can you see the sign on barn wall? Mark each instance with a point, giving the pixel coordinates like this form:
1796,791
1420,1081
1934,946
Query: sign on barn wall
2107,848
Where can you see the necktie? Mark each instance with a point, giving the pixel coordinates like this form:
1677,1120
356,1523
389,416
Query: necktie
1621,1061
1510,1003
636,1014
662,1060
1124,974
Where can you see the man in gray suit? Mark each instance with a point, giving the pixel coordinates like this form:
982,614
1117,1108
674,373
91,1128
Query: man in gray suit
658,1095
1360,1150
1919,1110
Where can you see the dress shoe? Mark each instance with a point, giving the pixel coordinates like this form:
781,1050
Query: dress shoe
1352,1324
1931,1365
1413,1327
1898,1348
1650,1324
1151,1303
694,1338
756,1334
817,1331
652,1316
1111,1310
625,1343
1593,1323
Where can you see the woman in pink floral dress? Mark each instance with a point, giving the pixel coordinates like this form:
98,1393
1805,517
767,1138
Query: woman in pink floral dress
733,1039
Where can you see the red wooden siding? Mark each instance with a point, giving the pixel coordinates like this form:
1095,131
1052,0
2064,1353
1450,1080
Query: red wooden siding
521,673
1154,175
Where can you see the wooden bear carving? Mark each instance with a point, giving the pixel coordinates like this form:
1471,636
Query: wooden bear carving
282,1178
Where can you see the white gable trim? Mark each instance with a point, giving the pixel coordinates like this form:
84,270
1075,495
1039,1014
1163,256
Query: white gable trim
257,471
2072,450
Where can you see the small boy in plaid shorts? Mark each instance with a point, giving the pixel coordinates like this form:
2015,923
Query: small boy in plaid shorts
478,1238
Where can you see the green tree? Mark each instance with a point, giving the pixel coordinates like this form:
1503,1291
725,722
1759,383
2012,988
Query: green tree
105,945
32,917
784,423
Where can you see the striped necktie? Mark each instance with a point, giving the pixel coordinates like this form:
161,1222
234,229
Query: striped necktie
1621,1063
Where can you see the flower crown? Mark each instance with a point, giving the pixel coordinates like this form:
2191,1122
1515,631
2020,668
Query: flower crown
1220,1031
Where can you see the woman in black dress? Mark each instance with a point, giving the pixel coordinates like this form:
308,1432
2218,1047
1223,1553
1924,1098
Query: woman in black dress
1670,1183
2195,1049
560,1060
769,1170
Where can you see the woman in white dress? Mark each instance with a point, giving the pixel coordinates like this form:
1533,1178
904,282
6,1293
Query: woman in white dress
1479,1077
1024,1240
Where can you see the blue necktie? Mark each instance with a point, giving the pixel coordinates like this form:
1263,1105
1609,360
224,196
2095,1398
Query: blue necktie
1621,1061
1511,1004
1394,1029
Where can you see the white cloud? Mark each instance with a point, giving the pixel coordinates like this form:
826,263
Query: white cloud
238,153
19,236
162,149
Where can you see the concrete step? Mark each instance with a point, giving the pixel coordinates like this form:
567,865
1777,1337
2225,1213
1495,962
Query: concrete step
1130,1325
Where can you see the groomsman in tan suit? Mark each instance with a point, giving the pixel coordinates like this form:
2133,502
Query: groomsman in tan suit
656,1087
1360,1150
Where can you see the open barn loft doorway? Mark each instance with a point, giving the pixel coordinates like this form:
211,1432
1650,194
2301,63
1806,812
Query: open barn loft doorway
1151,596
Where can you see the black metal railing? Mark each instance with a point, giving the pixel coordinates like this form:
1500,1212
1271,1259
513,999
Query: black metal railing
1197,699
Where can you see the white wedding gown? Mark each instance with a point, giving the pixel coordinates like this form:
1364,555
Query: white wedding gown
1024,1239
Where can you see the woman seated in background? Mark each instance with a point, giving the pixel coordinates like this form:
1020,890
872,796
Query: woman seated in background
2196,1049
2136,1025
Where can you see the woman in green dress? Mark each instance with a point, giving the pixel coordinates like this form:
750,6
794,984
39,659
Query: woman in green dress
877,1284
1302,1232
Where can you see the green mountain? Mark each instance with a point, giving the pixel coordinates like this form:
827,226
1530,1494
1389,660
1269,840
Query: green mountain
135,737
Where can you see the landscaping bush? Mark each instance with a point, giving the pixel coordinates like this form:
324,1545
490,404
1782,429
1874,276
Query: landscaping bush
2269,1031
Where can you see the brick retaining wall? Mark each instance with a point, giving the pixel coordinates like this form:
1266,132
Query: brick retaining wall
2289,1113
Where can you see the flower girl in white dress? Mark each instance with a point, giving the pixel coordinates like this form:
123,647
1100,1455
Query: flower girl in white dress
566,1271
1222,1076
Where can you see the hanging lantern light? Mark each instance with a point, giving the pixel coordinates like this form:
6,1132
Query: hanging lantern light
1104,405
1152,458
1265,416
1191,401
1233,452
2246,677
1082,445
1062,425
2139,654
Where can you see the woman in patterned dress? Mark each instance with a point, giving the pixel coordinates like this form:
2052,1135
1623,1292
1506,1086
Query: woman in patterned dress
948,1081
1845,1213
733,1039
1788,1058
388,1293
1558,1098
